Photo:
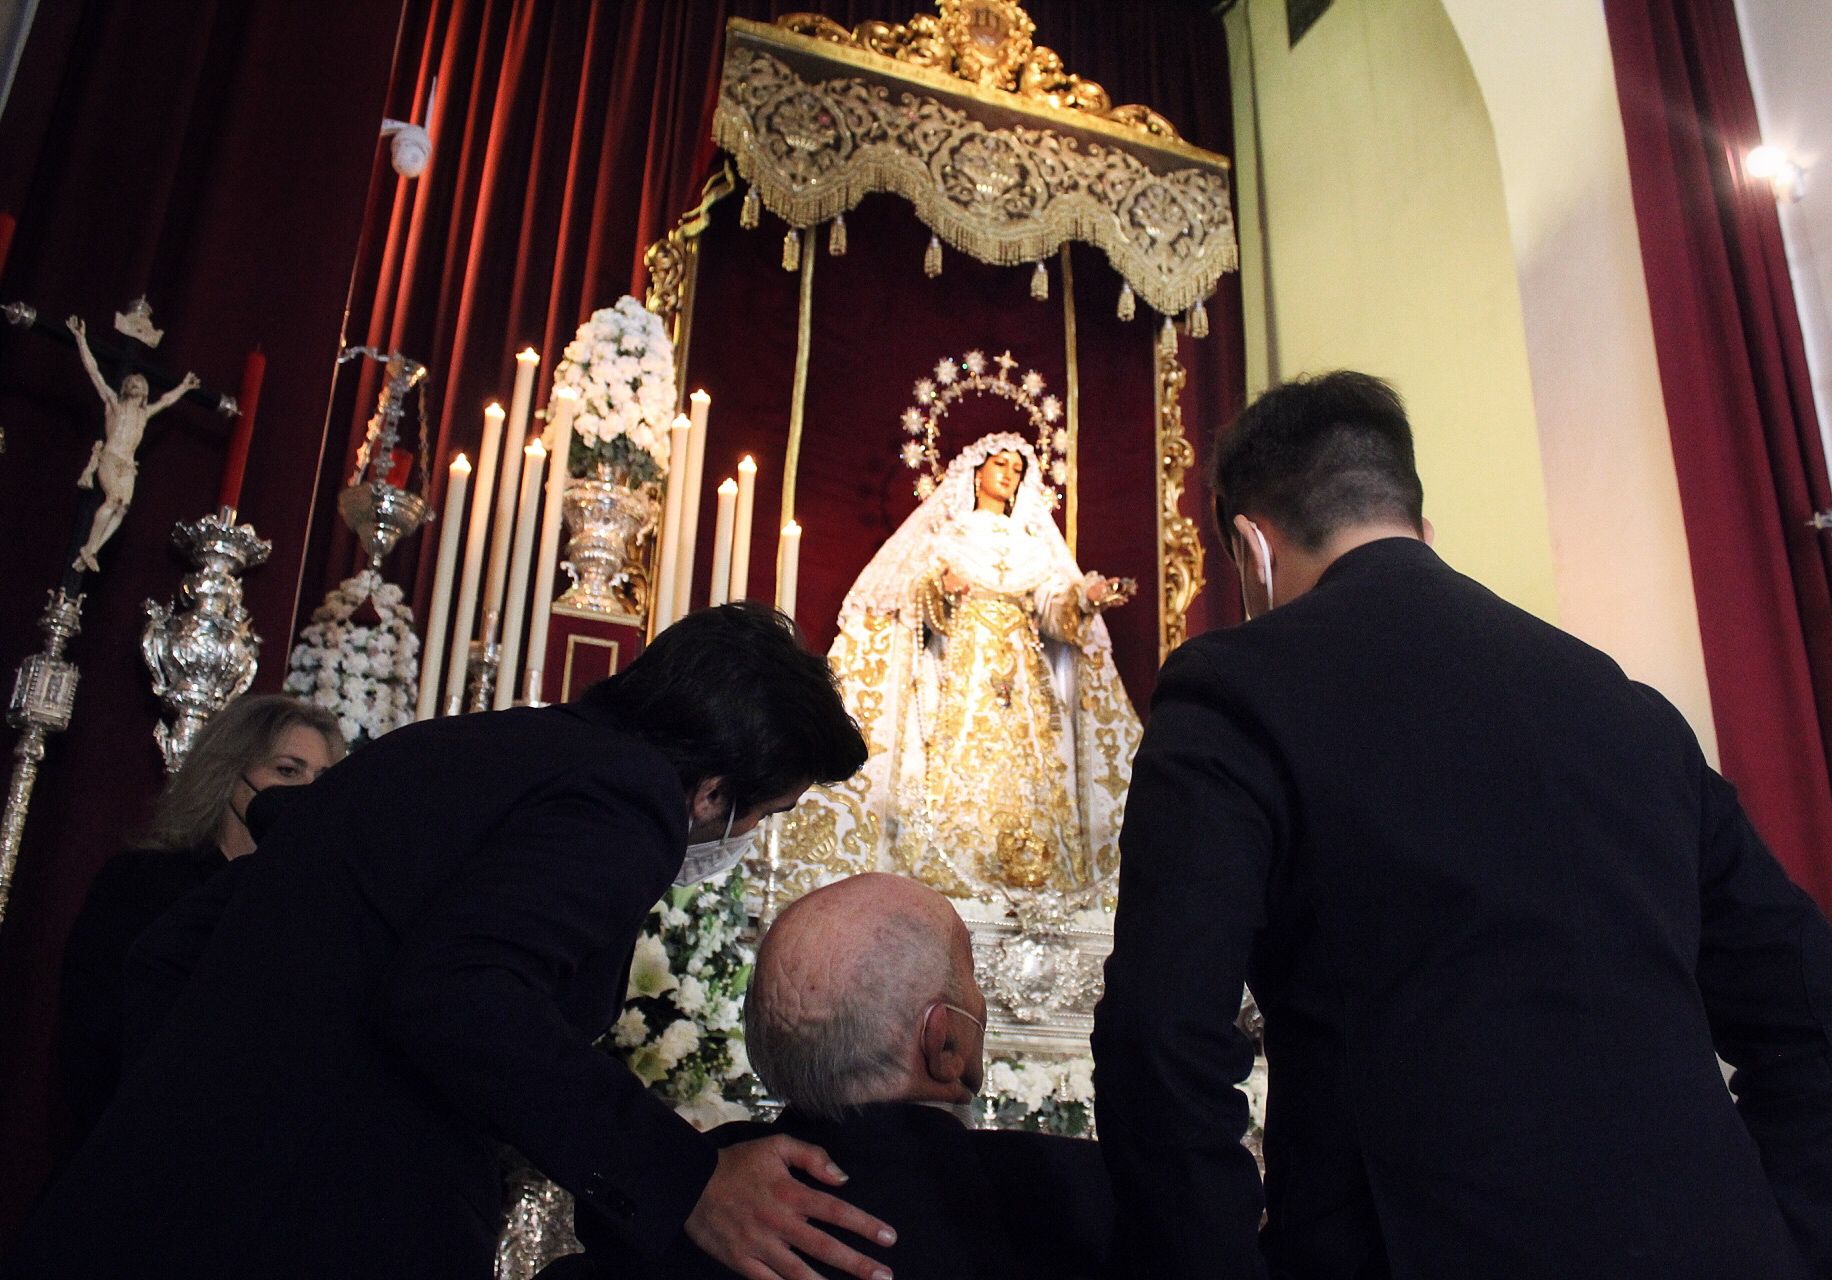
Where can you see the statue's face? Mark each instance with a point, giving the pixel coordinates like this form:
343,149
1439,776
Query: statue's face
998,478
133,387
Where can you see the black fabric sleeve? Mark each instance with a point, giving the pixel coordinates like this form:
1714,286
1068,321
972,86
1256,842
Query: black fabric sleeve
1195,851
470,1002
1765,970
162,961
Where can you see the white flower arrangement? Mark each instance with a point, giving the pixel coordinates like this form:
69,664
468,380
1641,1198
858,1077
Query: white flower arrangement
359,658
1057,1096
621,362
682,1027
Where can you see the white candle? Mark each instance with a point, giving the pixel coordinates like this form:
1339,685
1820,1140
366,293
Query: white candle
661,591
466,613
722,542
439,611
700,404
741,541
561,407
528,509
508,487
788,563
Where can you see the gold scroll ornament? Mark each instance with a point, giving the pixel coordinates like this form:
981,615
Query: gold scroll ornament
1001,152
1179,539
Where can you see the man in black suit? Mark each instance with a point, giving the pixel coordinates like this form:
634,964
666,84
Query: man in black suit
1494,905
340,1029
864,1016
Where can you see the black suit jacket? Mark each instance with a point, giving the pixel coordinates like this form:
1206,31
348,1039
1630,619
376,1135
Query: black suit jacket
965,1203
1497,911
340,1028
132,890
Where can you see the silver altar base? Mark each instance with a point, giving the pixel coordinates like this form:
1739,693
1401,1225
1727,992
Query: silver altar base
44,695
537,1228
202,651
1041,982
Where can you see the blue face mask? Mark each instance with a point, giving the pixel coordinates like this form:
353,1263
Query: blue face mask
709,858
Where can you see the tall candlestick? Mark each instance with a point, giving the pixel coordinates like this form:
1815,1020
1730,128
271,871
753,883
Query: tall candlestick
788,565
661,599
439,611
507,486
235,462
532,459
701,404
561,407
722,543
741,541
466,612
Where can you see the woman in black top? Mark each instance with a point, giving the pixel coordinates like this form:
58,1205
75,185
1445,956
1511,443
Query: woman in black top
250,745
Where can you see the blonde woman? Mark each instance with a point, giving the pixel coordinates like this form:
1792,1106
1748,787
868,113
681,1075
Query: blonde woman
198,825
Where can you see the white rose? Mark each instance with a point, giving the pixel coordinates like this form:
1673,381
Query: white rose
740,1059
708,1111
630,1030
691,998
679,1039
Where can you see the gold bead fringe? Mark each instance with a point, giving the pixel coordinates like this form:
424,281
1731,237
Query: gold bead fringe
931,258
836,236
1128,304
751,210
791,250
1040,283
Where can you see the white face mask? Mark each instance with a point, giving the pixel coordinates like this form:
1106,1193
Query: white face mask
1265,568
709,858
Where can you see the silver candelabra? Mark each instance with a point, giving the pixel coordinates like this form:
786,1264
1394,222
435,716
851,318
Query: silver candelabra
202,651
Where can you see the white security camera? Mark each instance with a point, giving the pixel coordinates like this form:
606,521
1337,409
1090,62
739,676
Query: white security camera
410,149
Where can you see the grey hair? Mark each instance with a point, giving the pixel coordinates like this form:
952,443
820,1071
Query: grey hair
192,807
855,1052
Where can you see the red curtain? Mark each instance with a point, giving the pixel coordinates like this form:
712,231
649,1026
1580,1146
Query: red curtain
568,137
1745,437
213,156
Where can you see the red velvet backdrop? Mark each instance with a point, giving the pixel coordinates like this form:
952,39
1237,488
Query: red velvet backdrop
213,156
570,137
1739,402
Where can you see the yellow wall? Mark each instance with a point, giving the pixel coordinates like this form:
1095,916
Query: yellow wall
1389,252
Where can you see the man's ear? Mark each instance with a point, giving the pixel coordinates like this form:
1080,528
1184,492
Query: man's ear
942,1059
1431,534
707,801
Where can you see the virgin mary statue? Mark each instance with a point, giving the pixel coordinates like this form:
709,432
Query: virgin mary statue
972,652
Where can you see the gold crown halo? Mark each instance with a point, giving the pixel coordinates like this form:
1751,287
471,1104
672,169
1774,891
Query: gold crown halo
974,373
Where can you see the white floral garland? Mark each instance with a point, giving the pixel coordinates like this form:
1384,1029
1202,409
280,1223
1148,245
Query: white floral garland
365,675
1057,1095
621,362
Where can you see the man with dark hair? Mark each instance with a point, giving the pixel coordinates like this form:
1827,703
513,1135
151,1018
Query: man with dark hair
1495,907
340,1029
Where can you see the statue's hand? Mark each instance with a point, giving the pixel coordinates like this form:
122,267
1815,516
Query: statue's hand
953,583
77,326
190,382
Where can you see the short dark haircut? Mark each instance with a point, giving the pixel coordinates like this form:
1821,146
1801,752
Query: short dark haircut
1318,455
730,692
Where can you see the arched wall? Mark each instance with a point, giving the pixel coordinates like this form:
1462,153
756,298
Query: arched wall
1447,195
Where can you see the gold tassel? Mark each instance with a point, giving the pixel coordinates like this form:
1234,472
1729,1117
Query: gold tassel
1128,304
931,258
836,236
751,210
1199,320
1040,283
1167,338
791,250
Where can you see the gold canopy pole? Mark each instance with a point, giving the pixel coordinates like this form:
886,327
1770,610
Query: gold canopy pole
798,396
1071,518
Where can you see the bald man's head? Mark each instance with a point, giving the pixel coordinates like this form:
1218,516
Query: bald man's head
848,1001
